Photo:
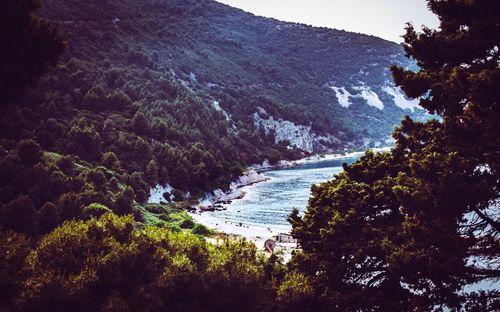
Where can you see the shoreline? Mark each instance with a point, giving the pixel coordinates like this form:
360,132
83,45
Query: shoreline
232,228
256,235
215,200
265,166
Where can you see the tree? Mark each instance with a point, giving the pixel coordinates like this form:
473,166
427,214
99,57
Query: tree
140,124
110,160
109,264
95,210
19,215
29,152
29,45
398,231
151,174
14,248
84,140
124,201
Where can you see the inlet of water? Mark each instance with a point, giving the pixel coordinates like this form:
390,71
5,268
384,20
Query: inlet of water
268,204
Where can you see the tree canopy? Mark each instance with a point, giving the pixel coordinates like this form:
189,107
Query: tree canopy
413,228
106,264
29,44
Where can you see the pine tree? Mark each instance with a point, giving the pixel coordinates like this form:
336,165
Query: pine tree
408,229
29,44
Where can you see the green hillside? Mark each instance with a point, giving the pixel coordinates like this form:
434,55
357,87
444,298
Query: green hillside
114,97
186,93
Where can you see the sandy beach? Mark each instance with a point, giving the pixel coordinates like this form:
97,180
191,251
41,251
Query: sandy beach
253,233
250,232
257,235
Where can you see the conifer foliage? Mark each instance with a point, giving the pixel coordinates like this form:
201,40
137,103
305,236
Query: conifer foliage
413,228
29,44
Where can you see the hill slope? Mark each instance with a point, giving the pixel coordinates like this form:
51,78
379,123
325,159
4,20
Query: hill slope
334,81
185,93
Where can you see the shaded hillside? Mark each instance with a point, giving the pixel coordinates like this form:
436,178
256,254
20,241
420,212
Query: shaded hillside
292,71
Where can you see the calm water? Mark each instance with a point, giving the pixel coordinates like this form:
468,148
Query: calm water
268,204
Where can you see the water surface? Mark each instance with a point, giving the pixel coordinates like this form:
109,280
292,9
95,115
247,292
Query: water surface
268,204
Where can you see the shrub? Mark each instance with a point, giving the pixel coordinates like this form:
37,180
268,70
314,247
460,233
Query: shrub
29,152
95,210
154,208
200,229
187,224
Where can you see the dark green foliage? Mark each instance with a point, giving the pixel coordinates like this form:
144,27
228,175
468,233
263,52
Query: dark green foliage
152,172
29,152
104,264
178,195
84,140
124,201
188,224
154,208
408,229
19,215
14,248
66,164
95,210
110,160
200,229
29,44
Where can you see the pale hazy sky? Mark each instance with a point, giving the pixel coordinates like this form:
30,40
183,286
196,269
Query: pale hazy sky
381,18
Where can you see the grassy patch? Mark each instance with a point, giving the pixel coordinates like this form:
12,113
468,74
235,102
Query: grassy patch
177,220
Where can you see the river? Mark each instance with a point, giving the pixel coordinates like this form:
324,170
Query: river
267,204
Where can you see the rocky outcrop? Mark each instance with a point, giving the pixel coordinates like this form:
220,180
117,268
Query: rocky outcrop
372,98
299,136
156,194
216,197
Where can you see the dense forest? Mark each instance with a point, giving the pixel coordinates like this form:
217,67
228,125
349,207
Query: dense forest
90,121
142,95
148,48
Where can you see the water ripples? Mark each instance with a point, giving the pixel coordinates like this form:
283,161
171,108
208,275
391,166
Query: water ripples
269,203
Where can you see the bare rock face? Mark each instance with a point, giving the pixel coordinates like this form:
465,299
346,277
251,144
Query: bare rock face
156,194
299,136
220,196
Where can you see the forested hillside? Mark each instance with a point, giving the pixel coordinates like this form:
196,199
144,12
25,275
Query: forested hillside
218,53
130,94
180,92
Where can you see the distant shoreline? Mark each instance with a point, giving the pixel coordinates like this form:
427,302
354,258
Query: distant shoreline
314,159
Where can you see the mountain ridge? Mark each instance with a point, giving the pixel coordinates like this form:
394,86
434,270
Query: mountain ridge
223,46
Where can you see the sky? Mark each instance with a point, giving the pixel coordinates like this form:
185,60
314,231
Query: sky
381,18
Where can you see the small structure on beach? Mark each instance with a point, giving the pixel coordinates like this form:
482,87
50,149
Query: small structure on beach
285,238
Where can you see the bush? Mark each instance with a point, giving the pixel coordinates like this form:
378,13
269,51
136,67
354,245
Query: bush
200,229
30,152
154,208
95,210
165,217
174,228
187,224
178,195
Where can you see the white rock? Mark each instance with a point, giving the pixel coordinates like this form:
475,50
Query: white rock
370,96
299,136
156,193
216,106
342,96
234,192
400,99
